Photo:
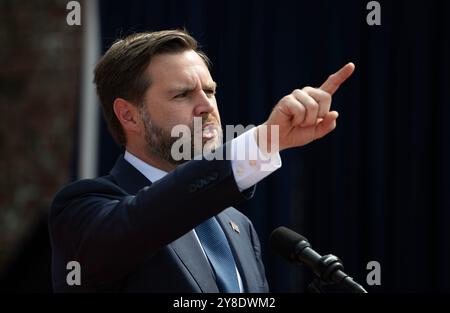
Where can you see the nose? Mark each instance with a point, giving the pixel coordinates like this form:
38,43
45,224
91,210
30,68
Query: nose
204,105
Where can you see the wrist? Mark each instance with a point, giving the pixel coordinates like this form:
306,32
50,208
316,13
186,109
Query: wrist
267,139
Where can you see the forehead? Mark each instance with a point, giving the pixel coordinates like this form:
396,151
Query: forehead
178,68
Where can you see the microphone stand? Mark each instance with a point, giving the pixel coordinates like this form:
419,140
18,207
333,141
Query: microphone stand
330,278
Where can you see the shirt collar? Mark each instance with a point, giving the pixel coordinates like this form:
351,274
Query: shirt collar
150,172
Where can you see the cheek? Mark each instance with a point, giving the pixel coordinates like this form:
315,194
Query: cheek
165,115
218,118
216,112
177,117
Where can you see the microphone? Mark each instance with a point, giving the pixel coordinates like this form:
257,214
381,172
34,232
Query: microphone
296,248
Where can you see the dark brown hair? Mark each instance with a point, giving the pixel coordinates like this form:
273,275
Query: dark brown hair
120,73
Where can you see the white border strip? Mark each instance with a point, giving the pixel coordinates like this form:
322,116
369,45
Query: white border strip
89,110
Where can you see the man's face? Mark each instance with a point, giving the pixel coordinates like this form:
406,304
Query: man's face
181,88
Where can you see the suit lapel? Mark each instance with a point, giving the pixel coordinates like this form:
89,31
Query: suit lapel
238,243
128,177
190,253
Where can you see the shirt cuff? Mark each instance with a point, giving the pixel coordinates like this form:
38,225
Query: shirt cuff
249,164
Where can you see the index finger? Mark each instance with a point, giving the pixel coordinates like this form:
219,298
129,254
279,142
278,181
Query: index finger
335,80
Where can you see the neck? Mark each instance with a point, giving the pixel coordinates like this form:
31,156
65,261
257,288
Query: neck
151,159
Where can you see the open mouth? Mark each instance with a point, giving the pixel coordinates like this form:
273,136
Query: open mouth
209,131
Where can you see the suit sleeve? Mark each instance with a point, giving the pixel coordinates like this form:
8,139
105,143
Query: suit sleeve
108,231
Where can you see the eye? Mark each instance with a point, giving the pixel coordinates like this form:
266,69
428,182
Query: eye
181,95
210,92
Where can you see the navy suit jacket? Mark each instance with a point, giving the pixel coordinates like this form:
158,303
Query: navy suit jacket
131,235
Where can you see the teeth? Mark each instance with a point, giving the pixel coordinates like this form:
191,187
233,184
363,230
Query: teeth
209,131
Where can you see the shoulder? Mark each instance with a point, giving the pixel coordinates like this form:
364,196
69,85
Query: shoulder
244,227
234,213
77,190
239,218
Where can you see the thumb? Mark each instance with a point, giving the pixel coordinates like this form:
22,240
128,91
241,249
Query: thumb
326,125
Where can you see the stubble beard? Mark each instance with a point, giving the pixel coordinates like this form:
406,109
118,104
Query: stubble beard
159,142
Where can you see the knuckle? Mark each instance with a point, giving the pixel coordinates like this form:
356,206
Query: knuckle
308,89
311,103
291,99
301,108
287,98
297,93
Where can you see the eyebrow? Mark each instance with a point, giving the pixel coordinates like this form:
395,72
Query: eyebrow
211,85
182,88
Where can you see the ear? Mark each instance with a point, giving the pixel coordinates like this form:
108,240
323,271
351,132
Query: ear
128,115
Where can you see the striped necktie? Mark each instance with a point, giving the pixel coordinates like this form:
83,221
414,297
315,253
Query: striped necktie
218,251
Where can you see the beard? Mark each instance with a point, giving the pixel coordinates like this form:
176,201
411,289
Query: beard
159,141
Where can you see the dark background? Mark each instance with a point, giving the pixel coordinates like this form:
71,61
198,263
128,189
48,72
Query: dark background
373,190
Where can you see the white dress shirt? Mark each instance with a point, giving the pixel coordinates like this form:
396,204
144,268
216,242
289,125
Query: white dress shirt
248,168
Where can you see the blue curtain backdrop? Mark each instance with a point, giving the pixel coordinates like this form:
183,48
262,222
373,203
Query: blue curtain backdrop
374,189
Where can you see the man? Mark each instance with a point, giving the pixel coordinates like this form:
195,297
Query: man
157,224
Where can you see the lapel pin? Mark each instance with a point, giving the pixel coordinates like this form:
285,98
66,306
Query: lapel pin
235,227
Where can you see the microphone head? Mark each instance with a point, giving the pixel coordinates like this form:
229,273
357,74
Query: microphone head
284,240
